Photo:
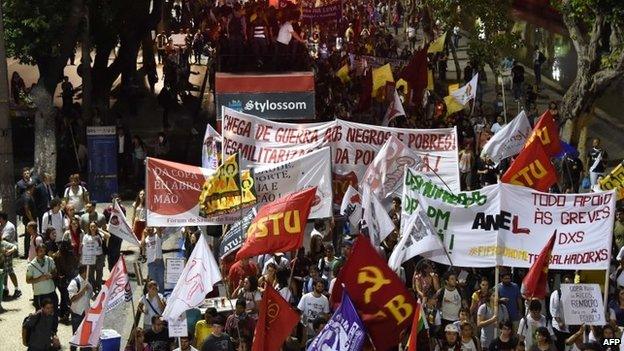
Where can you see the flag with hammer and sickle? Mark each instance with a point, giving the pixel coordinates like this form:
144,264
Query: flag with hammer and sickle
382,300
276,319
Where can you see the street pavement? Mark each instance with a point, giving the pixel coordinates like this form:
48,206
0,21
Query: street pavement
120,319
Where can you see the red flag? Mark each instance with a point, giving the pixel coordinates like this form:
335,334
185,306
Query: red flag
383,302
417,326
279,225
534,283
547,132
415,74
275,323
532,168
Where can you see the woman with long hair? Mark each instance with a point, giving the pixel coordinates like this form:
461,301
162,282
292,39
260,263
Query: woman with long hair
74,235
425,280
248,290
139,218
93,244
137,341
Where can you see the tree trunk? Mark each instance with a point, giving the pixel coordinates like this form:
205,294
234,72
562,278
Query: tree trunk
456,61
45,130
87,86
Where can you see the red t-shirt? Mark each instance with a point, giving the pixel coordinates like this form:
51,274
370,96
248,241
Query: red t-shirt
238,271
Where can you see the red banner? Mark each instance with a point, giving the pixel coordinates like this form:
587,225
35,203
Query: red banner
547,132
279,225
383,302
532,168
275,323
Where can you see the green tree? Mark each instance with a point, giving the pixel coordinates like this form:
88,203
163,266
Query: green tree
596,28
43,33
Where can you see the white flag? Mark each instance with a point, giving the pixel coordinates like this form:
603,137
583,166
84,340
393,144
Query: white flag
121,291
211,149
88,333
376,219
394,110
384,175
119,227
351,206
417,238
467,92
198,276
509,141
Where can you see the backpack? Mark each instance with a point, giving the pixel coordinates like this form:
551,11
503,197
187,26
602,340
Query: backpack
28,330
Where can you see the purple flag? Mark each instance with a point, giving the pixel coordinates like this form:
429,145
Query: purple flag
343,332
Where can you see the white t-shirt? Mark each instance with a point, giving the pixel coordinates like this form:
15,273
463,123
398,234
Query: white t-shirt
284,35
556,310
75,199
469,345
149,311
311,307
528,326
496,128
9,234
451,304
153,248
56,221
82,304
488,332
87,239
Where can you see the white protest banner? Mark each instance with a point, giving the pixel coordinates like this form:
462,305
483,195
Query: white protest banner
509,140
119,227
582,304
353,145
509,225
451,216
467,92
177,327
173,189
351,207
173,269
178,39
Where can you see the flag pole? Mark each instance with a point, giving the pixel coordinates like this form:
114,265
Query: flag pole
180,343
496,282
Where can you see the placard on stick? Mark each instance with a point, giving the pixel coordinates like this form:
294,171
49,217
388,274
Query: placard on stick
582,304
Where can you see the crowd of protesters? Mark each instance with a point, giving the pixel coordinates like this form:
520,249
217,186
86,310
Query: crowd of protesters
460,305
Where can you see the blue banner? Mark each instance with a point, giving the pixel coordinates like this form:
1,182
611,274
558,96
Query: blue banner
102,165
344,331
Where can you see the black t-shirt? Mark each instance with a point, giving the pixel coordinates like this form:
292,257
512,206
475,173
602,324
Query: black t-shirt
517,73
218,343
498,345
158,341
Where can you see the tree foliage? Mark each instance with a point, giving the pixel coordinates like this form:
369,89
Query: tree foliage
34,29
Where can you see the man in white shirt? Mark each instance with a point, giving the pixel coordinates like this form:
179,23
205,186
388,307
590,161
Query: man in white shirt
450,300
8,229
556,311
80,293
496,127
313,304
529,324
151,304
54,219
185,345
279,260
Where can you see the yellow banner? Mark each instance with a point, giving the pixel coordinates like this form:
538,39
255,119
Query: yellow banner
343,74
381,76
437,45
614,180
221,193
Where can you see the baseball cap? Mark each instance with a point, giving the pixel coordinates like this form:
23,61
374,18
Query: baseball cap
451,328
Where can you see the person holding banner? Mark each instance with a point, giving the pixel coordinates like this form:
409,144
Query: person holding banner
80,293
151,242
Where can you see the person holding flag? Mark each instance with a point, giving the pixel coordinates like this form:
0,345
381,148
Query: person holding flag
80,293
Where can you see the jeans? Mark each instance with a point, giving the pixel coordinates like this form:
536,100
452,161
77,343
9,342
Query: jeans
76,319
62,285
537,70
156,272
96,272
593,177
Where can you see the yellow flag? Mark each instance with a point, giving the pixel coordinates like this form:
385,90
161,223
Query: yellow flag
453,87
402,83
222,191
452,106
437,45
614,180
343,74
381,76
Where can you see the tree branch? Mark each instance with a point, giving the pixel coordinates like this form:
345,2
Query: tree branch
579,39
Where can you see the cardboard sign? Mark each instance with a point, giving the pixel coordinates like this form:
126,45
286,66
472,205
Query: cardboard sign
178,326
173,269
582,303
